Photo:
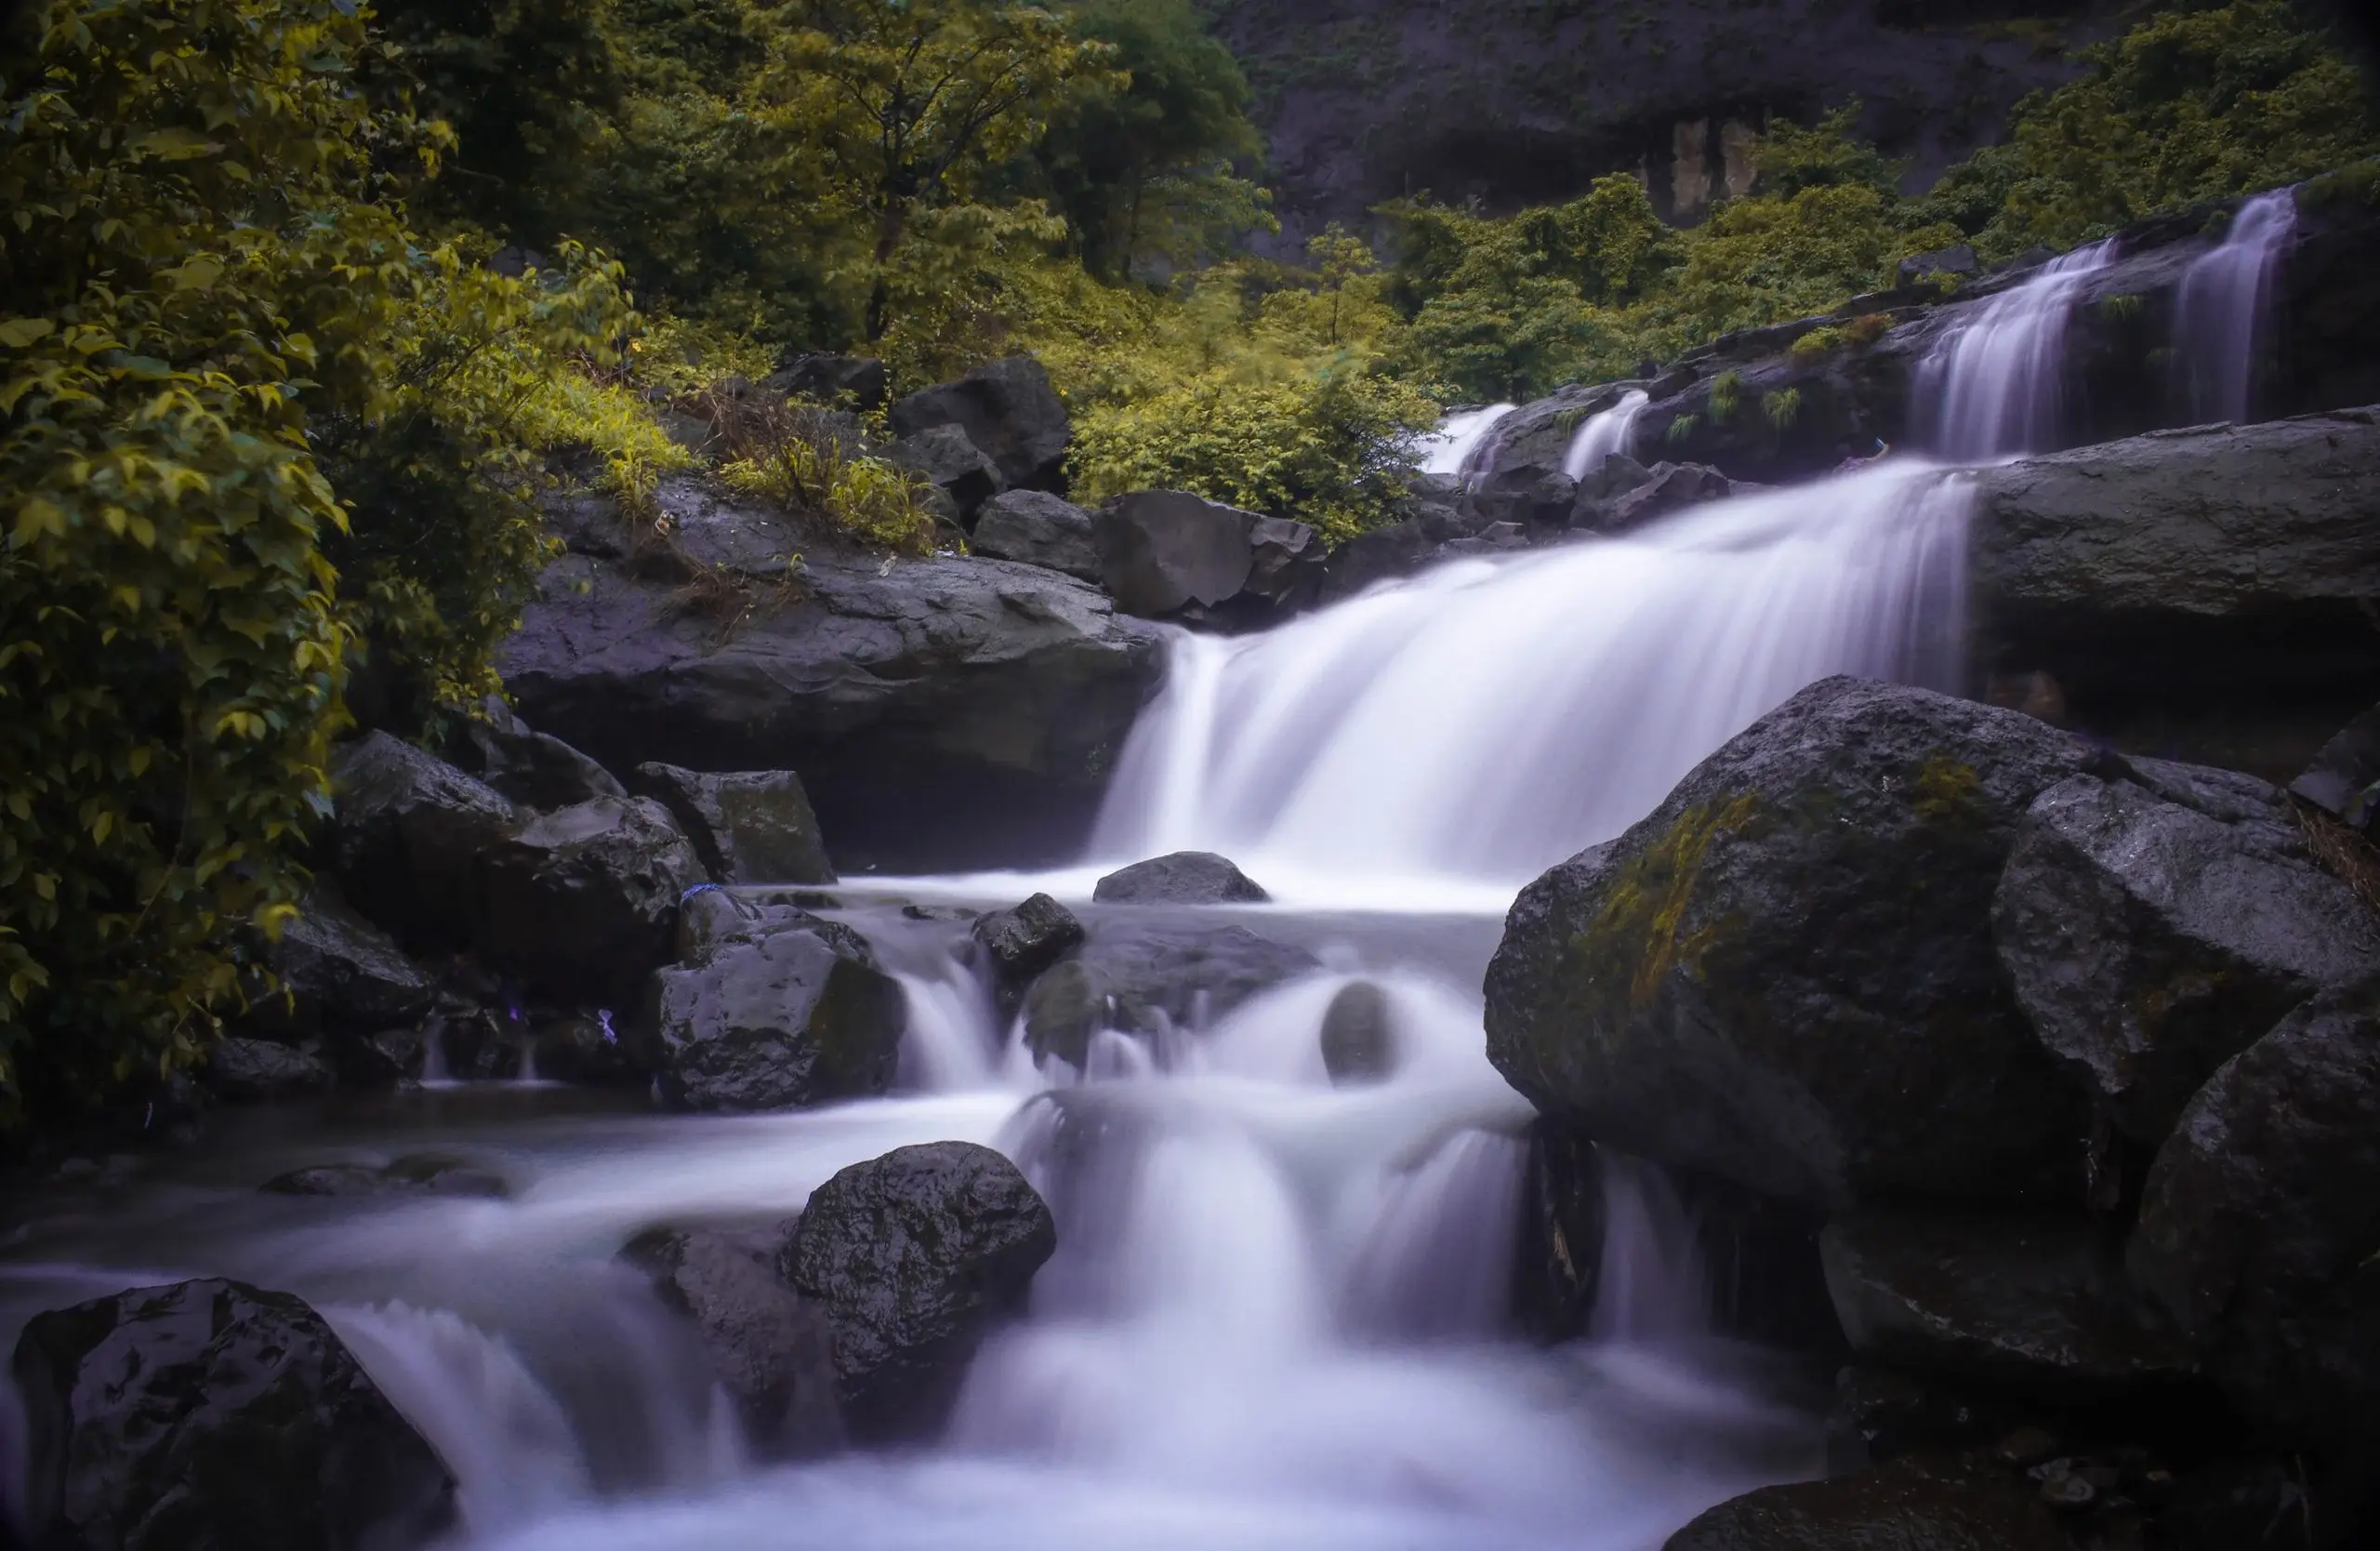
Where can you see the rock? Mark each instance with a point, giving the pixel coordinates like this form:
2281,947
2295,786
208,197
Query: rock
1150,976
529,768
341,972
1023,942
1957,259
2037,1305
1034,527
582,1051
1910,1504
709,916
2261,1214
1006,407
583,901
859,381
409,835
254,1071
912,698
950,463
748,827
1164,551
771,1349
1558,1255
1666,487
1880,1415
382,1060
1368,558
2344,779
1285,564
1182,878
915,1256
214,1416
797,1017
420,1175
1359,1038
2151,935
1785,975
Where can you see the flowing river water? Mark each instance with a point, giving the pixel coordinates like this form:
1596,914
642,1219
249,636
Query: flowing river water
1275,1319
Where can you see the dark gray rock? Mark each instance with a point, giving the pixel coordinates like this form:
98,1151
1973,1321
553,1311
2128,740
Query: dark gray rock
859,381
1164,551
583,901
1785,975
1146,977
1182,878
951,464
408,836
708,918
915,1256
1666,487
341,972
1368,558
2344,779
1958,259
423,1174
796,1016
1034,527
528,767
748,827
2261,1214
1285,564
771,1349
1910,1505
383,1059
2035,1304
1880,1414
214,1416
2151,938
1009,409
584,1051
258,1071
1023,942
1358,1039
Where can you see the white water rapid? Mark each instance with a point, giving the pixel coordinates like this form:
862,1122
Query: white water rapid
1455,446
1992,386
1611,431
2222,306
1276,1319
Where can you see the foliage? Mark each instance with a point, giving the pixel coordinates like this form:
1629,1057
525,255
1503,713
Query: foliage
804,462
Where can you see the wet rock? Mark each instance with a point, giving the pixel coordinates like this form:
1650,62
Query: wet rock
1034,527
2260,1216
2036,1304
915,1256
214,1416
952,464
1910,1505
1785,976
1182,878
710,917
2236,1503
408,836
528,767
583,901
771,1349
1285,564
1880,1415
1023,942
2344,779
1558,1253
1665,488
1164,551
1382,555
423,1174
257,1071
748,827
1358,1038
797,1017
859,381
382,1060
1152,977
2152,934
339,972
1009,409
586,1051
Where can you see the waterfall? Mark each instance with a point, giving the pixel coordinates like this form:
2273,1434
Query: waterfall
1653,1284
1452,449
1994,385
1453,736
2224,298
1604,434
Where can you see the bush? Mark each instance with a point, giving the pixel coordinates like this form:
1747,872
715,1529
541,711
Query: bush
803,461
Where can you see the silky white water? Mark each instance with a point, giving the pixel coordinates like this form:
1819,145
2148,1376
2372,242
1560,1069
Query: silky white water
1455,447
1604,433
1993,386
2222,306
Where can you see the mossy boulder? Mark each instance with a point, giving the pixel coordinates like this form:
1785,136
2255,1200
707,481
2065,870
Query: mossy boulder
1785,975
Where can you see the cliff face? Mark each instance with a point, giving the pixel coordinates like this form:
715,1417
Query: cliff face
1521,101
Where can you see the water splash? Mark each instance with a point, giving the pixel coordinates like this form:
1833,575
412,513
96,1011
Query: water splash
1993,386
2222,307
1454,448
1609,431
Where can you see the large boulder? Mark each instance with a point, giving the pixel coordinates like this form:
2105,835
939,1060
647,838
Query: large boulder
748,827
409,835
945,460
1149,977
214,1416
263,1071
583,901
915,1256
773,1019
2344,777
1910,1505
528,767
2261,1217
1180,878
860,381
2154,927
1036,528
336,969
1285,560
2036,1304
1165,551
771,1349
1009,409
1023,942
916,697
1785,975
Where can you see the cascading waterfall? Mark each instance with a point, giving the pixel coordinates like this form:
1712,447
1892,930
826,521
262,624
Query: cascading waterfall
1993,387
2222,306
1604,433
1455,447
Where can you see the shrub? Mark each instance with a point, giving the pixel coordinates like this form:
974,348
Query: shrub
804,462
